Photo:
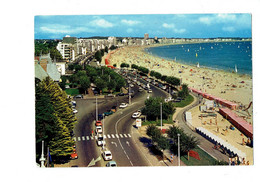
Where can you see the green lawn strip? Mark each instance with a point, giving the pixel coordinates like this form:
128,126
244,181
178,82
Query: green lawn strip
205,159
189,99
72,91
157,123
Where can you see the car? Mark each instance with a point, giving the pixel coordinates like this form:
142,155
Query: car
75,111
100,116
149,91
136,114
74,155
100,140
98,129
95,92
114,108
123,105
110,95
107,155
98,123
67,86
111,164
120,94
108,113
78,96
73,103
131,85
140,89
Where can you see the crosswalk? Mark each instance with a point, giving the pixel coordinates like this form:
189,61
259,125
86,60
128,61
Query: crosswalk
108,136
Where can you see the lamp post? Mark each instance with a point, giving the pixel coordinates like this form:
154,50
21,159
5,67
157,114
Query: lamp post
179,157
96,110
103,129
129,94
42,159
161,114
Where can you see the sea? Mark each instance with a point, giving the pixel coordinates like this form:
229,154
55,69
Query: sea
227,56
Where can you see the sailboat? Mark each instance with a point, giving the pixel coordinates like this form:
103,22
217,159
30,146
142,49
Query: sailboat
236,68
175,59
198,65
196,55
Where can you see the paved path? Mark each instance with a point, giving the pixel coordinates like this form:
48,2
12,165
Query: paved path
204,143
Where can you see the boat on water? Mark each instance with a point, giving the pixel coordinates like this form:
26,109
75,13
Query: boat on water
198,65
196,54
236,68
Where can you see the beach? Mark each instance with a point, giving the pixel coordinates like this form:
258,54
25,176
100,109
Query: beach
226,85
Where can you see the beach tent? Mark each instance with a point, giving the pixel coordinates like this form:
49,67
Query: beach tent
209,104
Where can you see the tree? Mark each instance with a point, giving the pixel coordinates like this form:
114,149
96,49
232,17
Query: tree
84,83
71,67
106,49
173,80
78,67
98,56
101,84
152,108
163,78
111,85
54,119
157,75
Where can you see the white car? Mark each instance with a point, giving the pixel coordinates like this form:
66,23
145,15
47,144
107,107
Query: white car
136,114
98,129
131,85
150,91
75,111
100,140
107,155
123,105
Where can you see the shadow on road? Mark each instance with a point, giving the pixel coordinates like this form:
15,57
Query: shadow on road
152,148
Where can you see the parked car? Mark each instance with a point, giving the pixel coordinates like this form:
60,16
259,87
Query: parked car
140,89
98,123
67,86
114,108
108,113
107,155
149,91
110,95
100,140
136,114
98,129
120,94
74,155
73,103
100,116
78,96
111,164
123,105
75,111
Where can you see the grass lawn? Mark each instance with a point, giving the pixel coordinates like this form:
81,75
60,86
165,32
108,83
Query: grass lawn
72,91
189,99
205,159
157,123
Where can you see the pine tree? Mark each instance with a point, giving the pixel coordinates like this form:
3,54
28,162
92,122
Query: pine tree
58,109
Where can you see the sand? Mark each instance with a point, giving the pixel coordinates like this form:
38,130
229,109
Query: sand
230,86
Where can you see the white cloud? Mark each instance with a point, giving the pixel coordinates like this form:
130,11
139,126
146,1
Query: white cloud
101,23
206,20
228,29
166,25
225,17
129,30
58,28
130,22
182,30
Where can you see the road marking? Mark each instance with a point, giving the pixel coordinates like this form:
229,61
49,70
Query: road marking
121,135
79,139
125,135
104,136
129,135
117,136
113,136
87,137
95,137
83,137
108,136
91,137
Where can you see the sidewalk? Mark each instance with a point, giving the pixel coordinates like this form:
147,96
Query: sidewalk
151,158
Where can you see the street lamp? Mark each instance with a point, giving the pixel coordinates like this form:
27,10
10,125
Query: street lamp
42,159
179,157
129,94
161,114
96,110
103,129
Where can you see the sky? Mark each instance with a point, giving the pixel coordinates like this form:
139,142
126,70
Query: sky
160,25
